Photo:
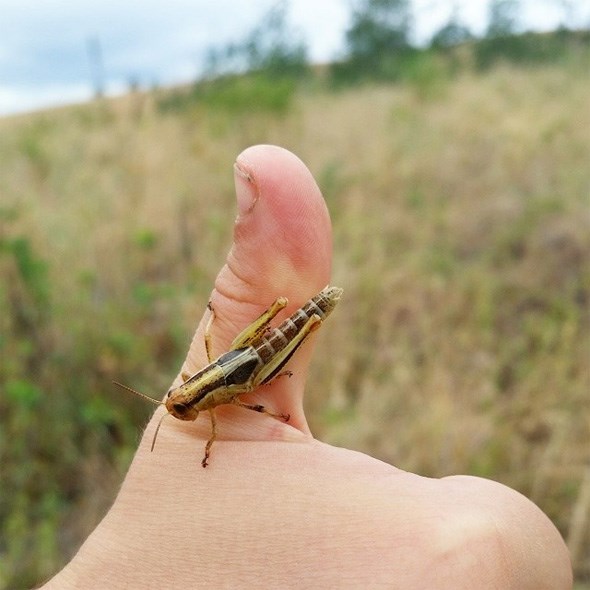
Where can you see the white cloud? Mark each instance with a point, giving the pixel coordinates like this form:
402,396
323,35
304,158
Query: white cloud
323,24
20,99
44,45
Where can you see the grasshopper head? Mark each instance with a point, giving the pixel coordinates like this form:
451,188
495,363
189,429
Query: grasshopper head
178,407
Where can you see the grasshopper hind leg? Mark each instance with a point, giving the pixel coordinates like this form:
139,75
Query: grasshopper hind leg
251,333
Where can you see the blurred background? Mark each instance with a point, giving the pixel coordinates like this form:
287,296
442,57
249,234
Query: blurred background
451,141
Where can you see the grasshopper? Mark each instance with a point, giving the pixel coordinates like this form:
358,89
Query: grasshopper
256,356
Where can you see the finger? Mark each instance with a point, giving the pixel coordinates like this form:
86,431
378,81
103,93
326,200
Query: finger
281,247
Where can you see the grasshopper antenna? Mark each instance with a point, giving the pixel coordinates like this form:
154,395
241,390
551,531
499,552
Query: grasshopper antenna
143,395
151,399
157,430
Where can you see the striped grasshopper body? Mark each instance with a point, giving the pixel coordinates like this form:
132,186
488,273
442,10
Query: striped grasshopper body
256,356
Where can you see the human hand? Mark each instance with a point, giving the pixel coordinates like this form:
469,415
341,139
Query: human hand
275,507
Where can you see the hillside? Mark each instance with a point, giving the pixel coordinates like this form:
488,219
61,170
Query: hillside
461,236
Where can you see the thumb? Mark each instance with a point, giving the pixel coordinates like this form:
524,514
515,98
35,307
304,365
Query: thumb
281,247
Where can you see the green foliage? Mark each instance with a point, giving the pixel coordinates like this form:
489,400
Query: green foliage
451,34
271,48
502,42
259,74
236,95
31,269
502,18
530,48
24,298
146,239
378,46
251,93
427,73
32,144
378,38
378,27
58,353
22,393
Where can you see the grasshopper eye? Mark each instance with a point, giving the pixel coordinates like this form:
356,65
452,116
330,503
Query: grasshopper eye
179,409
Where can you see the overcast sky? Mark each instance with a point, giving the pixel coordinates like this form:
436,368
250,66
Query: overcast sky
44,43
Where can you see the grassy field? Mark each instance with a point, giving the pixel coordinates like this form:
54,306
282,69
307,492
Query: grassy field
462,239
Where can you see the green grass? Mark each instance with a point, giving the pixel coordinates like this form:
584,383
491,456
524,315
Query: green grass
461,237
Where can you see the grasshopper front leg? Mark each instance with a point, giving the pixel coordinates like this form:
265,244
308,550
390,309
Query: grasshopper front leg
261,409
212,438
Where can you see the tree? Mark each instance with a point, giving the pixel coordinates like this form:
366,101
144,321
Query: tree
502,18
378,36
451,34
271,47
379,26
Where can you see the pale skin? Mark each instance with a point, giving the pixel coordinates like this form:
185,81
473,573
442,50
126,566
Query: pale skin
276,508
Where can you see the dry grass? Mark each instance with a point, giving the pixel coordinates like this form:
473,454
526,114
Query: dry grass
462,238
